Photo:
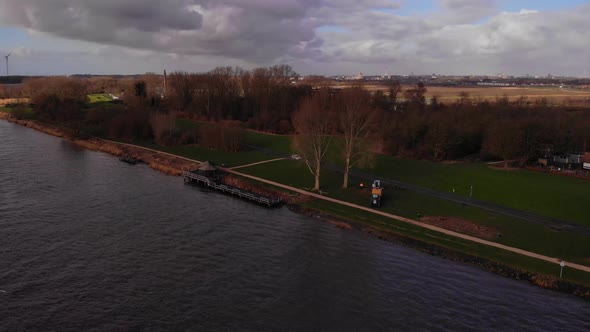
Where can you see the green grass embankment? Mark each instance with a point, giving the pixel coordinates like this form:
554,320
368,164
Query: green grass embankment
441,240
449,242
514,232
27,115
229,159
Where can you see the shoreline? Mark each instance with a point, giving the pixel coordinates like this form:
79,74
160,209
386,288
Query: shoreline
173,165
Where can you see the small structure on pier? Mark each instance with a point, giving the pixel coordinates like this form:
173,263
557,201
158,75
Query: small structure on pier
209,170
209,176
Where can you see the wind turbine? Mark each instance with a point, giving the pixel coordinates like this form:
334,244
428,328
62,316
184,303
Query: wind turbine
6,57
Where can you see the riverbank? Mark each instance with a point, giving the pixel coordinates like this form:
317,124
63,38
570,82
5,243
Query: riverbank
173,165
501,269
162,162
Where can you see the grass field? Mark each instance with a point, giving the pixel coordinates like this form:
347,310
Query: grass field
555,196
491,93
100,97
229,159
279,143
515,232
560,197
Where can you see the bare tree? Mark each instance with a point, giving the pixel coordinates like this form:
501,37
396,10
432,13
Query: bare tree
314,126
394,91
504,140
356,120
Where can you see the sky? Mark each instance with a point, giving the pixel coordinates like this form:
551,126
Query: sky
325,37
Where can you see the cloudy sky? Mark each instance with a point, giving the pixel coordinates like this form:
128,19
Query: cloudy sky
330,37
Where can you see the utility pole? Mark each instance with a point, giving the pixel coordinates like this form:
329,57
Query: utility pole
561,265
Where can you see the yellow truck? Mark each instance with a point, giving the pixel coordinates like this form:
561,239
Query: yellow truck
376,193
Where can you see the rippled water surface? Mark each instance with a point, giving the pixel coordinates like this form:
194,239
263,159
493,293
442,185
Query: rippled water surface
90,243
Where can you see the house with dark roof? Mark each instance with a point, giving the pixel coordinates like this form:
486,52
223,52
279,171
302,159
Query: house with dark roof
568,161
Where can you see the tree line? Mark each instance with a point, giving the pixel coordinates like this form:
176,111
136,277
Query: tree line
397,120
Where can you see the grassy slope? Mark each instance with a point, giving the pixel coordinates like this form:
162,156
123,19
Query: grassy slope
515,233
29,114
218,157
460,245
442,240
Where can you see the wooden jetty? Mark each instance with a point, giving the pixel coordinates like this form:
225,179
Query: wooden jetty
230,190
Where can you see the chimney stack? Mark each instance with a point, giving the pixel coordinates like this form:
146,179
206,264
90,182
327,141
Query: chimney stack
165,82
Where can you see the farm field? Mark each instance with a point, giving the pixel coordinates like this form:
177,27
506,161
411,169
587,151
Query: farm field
449,94
491,93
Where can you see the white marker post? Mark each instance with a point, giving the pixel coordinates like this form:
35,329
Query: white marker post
561,264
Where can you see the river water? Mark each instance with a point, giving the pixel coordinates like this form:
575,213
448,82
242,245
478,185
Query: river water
90,243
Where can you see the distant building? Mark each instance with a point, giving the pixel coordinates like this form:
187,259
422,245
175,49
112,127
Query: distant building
504,84
569,161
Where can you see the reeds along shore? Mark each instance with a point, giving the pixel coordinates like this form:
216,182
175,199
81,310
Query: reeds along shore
164,163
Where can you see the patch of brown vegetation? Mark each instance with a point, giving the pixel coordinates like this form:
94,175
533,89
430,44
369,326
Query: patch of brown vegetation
4,102
164,163
502,168
259,189
462,226
545,281
561,173
339,224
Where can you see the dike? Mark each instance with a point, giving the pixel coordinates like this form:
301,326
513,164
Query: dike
501,269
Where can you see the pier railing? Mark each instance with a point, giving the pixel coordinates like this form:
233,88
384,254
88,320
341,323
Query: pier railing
205,181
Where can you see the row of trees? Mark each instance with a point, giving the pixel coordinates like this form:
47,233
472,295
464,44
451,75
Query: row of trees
487,129
57,98
519,131
263,98
347,115
402,121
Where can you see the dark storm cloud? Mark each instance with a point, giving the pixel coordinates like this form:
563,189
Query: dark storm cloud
257,30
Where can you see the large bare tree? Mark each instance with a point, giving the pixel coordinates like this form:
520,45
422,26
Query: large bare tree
504,139
356,120
314,126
